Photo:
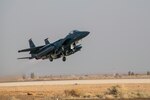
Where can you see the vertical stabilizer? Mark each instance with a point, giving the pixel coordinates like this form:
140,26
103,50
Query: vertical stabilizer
46,41
31,44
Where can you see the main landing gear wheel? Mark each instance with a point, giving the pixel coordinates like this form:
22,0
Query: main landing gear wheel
64,58
50,59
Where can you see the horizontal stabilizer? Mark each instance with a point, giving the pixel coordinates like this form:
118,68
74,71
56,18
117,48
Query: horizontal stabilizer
30,49
26,58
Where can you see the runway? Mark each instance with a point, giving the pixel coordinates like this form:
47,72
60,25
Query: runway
72,82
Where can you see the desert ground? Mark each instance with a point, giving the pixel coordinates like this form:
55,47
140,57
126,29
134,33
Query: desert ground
133,89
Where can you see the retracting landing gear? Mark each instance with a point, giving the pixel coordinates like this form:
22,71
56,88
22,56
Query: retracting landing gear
64,58
63,54
50,59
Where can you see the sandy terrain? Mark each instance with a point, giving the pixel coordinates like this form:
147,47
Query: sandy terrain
74,89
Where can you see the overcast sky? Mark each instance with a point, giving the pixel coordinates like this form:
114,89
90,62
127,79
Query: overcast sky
119,40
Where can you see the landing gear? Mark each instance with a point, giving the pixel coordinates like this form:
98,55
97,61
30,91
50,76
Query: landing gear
64,58
50,59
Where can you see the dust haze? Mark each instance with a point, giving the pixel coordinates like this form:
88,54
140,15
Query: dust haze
119,39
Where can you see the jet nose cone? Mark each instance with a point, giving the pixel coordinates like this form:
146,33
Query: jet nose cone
86,33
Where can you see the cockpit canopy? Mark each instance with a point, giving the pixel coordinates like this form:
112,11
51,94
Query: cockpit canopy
74,31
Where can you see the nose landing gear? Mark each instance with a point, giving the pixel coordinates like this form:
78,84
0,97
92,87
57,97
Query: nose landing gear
50,59
64,58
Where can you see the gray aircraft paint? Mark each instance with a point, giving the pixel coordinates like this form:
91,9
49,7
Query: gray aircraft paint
58,49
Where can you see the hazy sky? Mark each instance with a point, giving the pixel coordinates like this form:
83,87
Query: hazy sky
119,40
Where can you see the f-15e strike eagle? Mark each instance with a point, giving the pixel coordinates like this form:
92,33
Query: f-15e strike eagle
60,48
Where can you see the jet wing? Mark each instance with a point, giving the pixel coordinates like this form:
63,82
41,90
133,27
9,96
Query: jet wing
30,49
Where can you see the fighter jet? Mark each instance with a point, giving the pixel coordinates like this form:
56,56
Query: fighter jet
60,48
